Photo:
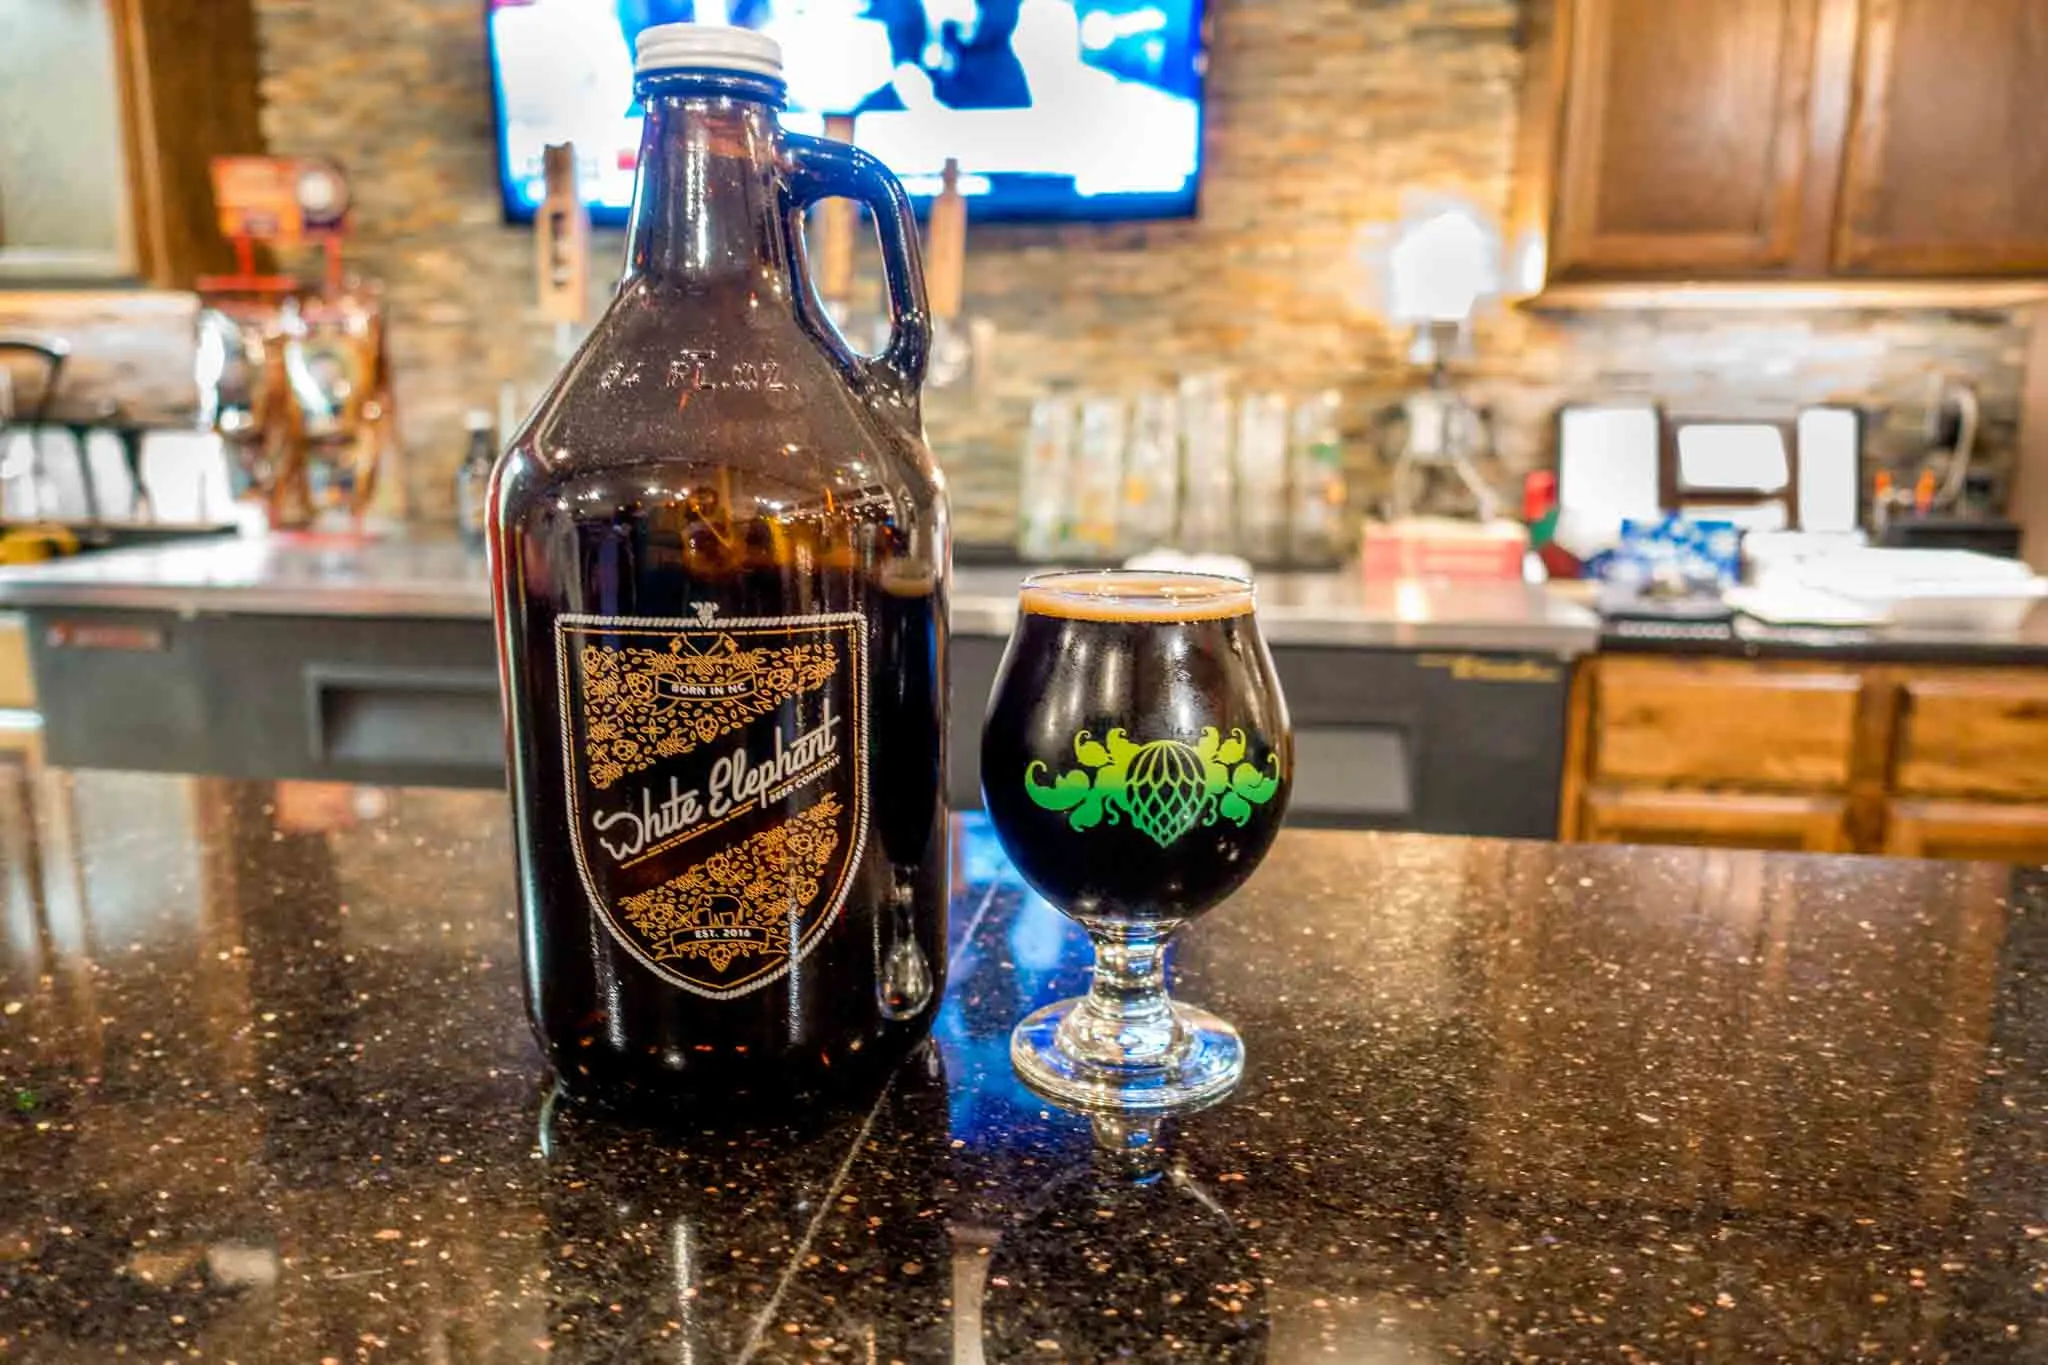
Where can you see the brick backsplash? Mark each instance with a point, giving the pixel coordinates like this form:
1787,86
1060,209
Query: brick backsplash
1322,115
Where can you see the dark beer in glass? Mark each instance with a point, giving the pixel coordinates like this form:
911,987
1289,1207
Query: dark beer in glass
719,558
1135,766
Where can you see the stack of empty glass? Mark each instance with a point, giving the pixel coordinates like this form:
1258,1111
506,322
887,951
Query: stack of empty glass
1261,468
1105,477
1098,476
1208,520
1045,501
1148,513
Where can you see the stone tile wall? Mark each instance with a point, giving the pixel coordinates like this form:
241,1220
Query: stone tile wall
1323,114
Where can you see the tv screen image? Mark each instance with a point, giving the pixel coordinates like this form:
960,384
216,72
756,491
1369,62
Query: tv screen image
1054,108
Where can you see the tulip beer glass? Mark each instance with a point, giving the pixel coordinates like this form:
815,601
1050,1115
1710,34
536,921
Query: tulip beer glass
1135,765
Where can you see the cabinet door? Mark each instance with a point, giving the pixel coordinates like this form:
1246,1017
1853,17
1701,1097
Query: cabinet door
1712,723
1946,171
1970,766
1804,824
1966,829
1685,137
1974,735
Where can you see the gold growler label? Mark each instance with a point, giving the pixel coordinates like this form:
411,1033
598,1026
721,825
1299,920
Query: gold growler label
717,785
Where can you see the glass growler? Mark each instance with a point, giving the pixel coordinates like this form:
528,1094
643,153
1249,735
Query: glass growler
719,561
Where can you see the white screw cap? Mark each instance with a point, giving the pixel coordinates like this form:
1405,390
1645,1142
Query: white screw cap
706,47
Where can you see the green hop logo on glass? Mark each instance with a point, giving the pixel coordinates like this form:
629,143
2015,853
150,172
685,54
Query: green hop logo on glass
1165,788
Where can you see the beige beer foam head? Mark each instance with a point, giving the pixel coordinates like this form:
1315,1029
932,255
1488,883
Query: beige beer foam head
1122,595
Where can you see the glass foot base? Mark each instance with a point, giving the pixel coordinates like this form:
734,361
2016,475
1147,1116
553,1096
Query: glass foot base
1200,1061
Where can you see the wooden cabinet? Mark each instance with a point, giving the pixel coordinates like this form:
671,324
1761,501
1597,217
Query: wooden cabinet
1995,830
1970,767
1715,752
1725,724
1684,146
1617,814
110,113
1785,139
1930,761
1946,171
1973,734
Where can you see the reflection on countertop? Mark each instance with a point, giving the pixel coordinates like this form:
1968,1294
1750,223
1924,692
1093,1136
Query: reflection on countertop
424,577
271,1096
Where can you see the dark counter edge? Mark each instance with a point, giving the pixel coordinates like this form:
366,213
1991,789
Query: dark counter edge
1844,645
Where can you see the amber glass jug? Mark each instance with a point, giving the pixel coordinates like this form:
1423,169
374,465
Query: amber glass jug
719,559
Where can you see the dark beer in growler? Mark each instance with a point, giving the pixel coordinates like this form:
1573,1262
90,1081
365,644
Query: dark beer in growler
719,560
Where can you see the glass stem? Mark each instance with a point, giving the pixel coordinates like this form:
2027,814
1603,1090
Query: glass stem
1126,1015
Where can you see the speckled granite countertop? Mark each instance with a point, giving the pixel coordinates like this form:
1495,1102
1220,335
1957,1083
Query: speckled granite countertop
270,1097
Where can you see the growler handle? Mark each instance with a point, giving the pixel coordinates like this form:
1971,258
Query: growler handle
823,169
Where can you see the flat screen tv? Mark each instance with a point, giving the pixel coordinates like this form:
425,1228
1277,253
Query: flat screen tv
1055,109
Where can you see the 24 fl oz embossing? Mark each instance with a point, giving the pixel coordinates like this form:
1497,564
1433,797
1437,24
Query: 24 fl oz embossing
698,370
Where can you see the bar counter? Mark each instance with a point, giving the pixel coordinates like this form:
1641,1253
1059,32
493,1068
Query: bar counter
270,1095
431,579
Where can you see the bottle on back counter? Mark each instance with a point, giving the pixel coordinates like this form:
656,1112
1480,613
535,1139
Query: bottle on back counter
473,478
1316,480
719,560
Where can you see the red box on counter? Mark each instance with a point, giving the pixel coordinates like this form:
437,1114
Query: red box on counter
1430,547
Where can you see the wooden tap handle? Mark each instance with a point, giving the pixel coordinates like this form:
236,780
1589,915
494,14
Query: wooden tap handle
836,225
947,271
562,240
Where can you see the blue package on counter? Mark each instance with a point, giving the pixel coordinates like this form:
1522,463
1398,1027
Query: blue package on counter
1673,555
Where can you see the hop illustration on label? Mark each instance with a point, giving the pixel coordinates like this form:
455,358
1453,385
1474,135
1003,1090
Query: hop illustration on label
1164,788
